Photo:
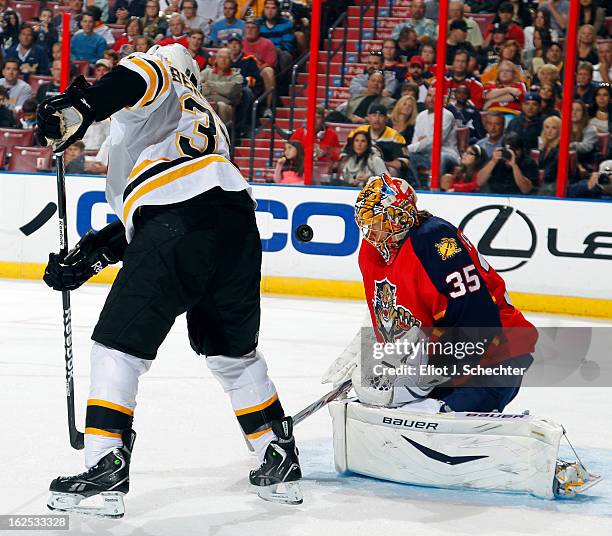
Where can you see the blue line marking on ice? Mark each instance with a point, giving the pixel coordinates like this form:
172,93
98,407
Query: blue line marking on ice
318,469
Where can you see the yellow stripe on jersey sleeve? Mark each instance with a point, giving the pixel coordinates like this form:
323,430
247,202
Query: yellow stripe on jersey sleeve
168,177
151,75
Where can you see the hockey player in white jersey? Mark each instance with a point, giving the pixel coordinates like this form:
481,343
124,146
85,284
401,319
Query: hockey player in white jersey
189,242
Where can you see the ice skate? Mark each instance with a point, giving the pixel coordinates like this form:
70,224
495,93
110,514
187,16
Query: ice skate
109,478
277,478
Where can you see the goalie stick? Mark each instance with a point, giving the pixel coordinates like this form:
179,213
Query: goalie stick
323,401
77,440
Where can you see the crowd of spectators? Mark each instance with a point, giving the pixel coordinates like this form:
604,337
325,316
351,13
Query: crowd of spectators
502,100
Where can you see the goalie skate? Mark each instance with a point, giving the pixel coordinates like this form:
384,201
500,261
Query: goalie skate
572,478
109,479
276,479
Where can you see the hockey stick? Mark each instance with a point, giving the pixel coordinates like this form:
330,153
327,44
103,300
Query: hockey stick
323,401
77,440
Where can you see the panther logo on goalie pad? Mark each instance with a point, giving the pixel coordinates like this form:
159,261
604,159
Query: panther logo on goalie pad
392,321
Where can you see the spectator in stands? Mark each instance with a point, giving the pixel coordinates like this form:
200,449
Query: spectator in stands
176,27
390,61
356,109
102,4
76,12
56,51
428,53
247,65
549,74
196,40
592,13
249,8
426,29
490,54
505,13
31,58
419,150
210,11
264,52
18,90
456,11
456,41
27,120
553,55
327,145
361,160
290,167
416,68
598,185
549,154
228,25
103,67
585,87
510,51
541,21
124,46
389,142
374,62
528,125
584,137
74,158
45,33
222,85
521,12
466,114
602,72
409,88
559,10
403,117
458,75
587,44
601,118
463,177
549,100
535,56
279,30
86,44
299,14
407,44
506,94
52,88
124,9
7,117
100,28
510,170
494,125
154,26
114,58
9,29
193,21
141,44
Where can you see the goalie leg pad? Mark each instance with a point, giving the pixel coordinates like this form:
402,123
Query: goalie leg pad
485,451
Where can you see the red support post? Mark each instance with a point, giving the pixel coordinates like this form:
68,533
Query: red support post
65,69
569,75
315,32
439,97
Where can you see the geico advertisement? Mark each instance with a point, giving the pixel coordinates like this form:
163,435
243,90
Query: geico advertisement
541,246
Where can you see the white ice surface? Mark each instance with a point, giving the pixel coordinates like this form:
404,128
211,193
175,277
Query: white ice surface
190,463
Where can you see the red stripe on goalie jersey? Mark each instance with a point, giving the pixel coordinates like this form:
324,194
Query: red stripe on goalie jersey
438,279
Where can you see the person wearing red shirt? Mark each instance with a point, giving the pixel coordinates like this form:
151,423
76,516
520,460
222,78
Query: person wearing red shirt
507,93
265,54
458,76
327,144
196,39
124,45
463,178
177,33
505,12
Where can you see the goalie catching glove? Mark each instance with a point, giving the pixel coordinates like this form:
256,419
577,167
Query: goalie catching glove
93,253
64,119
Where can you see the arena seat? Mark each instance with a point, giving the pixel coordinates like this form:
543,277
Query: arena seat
32,159
27,10
82,67
36,81
463,138
11,137
603,140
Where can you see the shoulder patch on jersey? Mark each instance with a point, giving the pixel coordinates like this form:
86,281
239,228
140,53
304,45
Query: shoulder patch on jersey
392,320
447,247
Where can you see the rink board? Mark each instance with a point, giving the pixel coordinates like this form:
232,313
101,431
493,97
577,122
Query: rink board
555,255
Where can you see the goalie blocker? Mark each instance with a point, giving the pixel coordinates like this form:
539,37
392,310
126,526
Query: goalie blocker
469,450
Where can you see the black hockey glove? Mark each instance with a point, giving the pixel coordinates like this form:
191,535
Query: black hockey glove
93,253
64,119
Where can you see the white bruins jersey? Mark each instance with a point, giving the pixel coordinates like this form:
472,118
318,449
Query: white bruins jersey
169,147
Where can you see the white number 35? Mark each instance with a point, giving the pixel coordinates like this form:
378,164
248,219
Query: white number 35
468,281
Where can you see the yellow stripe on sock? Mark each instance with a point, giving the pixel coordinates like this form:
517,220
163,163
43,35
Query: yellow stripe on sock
110,405
255,435
258,407
97,431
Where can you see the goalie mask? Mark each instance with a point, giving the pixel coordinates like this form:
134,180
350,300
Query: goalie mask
180,58
384,212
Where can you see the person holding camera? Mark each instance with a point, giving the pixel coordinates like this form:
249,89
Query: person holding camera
598,185
509,171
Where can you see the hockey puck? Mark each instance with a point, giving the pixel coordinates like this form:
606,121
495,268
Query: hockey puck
304,233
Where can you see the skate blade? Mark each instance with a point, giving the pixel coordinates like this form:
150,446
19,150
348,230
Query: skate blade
283,493
112,504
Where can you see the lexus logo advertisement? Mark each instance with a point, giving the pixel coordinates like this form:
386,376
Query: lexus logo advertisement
507,225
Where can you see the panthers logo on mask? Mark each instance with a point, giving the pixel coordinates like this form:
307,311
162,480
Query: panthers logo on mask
392,321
